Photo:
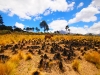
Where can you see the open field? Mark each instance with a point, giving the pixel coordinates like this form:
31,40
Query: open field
59,55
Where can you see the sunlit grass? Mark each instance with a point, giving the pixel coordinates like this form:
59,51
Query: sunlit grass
28,56
93,57
9,38
7,68
14,38
75,65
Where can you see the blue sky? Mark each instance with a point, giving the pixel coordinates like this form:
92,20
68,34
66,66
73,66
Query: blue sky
82,16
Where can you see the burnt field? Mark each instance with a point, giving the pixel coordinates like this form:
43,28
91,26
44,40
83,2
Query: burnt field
51,55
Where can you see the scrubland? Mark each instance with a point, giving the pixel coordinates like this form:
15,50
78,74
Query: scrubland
59,55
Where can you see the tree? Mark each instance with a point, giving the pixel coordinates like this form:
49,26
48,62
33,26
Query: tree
37,29
29,29
44,25
3,27
67,28
1,20
47,28
17,29
57,32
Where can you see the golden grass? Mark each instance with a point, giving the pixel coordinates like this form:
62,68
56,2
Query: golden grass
15,58
21,55
2,69
75,65
7,68
14,38
93,57
28,56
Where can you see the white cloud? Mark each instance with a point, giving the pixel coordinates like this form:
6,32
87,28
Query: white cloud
79,30
27,8
86,14
19,25
96,3
47,12
58,25
86,26
61,24
80,5
95,28
37,18
71,6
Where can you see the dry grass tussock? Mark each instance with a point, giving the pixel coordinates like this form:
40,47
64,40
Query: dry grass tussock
21,55
28,56
93,57
75,65
7,68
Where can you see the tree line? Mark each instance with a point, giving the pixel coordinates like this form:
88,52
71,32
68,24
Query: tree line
43,25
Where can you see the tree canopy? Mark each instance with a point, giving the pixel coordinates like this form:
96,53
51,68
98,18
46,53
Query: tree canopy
44,25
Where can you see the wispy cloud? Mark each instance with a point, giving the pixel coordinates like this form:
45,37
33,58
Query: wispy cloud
80,5
37,18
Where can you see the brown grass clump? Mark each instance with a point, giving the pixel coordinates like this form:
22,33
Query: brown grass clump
10,66
2,69
14,58
21,54
75,65
17,57
7,68
36,73
28,56
93,57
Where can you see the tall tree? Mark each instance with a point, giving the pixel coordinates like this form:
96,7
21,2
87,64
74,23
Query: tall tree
44,25
47,28
67,28
1,20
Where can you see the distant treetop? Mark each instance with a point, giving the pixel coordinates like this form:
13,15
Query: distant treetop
1,20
